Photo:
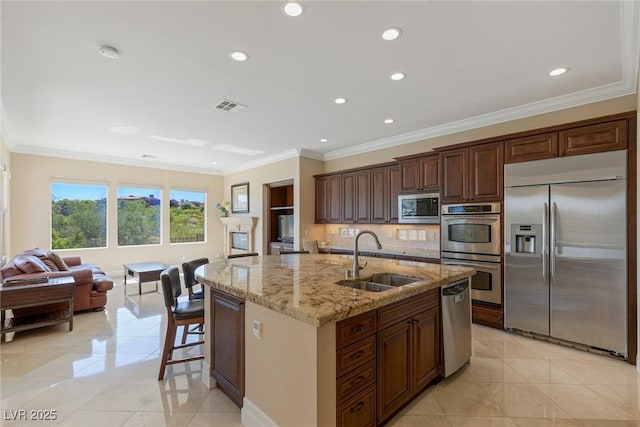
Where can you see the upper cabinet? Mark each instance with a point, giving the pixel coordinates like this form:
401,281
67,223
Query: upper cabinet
420,174
385,187
329,199
472,174
356,197
596,138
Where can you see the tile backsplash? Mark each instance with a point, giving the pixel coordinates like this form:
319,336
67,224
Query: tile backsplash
397,238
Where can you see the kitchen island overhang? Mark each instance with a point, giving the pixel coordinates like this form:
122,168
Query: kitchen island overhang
292,302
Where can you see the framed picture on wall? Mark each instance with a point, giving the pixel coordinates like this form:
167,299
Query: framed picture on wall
240,198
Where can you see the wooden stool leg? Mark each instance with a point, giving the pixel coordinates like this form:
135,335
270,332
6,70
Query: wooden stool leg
167,352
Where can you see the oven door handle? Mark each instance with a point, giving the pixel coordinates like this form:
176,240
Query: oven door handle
472,264
481,218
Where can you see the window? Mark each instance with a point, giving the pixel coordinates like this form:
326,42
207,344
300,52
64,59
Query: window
78,216
139,216
186,216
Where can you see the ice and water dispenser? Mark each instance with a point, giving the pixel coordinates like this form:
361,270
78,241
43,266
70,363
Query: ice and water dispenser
526,239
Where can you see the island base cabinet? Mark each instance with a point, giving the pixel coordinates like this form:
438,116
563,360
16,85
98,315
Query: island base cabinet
227,347
359,411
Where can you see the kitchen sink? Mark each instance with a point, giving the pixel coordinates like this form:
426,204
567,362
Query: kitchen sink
365,286
390,279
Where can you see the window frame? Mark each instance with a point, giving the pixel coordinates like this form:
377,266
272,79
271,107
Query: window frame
160,189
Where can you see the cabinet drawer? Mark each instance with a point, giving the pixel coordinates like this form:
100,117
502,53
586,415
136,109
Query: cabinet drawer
355,355
402,310
355,380
351,330
488,316
536,147
360,411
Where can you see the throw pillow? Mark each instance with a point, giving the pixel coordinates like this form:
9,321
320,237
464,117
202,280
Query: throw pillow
31,264
40,253
62,266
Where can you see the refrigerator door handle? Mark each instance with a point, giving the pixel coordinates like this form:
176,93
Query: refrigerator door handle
545,245
552,239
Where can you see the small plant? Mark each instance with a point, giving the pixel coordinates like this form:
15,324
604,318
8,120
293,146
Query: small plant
223,208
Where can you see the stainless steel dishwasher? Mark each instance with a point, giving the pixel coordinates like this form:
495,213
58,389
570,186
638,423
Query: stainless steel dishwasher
456,325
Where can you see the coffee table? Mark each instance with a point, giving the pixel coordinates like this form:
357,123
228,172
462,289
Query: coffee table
51,291
144,272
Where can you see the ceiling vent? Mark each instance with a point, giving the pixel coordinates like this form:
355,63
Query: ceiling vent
232,106
149,156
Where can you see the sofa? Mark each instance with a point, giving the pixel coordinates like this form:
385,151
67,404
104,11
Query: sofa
91,283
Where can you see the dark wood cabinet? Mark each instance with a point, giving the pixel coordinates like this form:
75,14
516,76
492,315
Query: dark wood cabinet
487,315
349,191
594,138
334,199
385,187
408,350
535,147
227,344
472,173
359,411
363,197
420,174
322,194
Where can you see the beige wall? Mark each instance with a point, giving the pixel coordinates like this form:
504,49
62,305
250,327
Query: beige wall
603,108
258,178
292,368
307,196
5,201
30,208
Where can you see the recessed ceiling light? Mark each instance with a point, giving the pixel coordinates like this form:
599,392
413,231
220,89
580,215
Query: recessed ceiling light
109,52
214,163
340,100
391,33
558,71
388,121
239,55
398,76
293,8
324,140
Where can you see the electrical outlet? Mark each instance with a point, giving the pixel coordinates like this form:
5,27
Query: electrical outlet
432,235
344,232
351,234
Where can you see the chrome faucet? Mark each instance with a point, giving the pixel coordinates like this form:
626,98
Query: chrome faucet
355,272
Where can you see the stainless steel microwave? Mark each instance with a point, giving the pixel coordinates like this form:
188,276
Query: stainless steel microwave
419,208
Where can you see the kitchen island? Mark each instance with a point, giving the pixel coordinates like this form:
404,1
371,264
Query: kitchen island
271,326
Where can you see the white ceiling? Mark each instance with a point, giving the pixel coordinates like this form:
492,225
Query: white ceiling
468,64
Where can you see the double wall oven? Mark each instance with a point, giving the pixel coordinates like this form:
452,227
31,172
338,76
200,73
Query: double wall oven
470,235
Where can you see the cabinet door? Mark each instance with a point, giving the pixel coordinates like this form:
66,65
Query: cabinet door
536,147
430,173
360,411
322,192
426,348
594,139
227,348
394,383
348,197
380,201
454,174
363,196
486,162
394,190
410,175
334,199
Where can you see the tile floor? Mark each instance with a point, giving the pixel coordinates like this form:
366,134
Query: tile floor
104,373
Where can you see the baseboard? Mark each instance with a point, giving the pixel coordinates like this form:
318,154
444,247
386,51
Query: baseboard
252,416
207,379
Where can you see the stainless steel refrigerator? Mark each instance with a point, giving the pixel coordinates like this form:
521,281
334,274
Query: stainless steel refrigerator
566,249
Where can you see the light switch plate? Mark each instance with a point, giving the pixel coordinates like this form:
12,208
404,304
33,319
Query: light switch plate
257,329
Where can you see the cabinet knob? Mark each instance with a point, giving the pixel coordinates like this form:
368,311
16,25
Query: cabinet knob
358,407
357,355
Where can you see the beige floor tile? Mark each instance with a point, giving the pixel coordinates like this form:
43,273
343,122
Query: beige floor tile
96,419
179,394
125,396
624,396
145,419
213,419
494,370
420,420
466,399
511,349
541,371
15,392
581,402
425,404
596,371
218,402
537,422
22,364
524,400
481,422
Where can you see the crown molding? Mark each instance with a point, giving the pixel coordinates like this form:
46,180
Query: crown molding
310,154
575,99
287,154
38,151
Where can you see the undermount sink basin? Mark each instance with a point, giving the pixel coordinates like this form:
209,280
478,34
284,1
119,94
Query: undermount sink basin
390,279
365,286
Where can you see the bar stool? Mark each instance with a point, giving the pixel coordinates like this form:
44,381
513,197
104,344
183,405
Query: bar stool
188,271
285,252
242,255
183,313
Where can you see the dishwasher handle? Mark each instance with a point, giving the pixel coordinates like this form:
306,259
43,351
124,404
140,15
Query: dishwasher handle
455,288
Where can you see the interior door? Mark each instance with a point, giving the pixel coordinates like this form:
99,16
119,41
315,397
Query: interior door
526,275
589,285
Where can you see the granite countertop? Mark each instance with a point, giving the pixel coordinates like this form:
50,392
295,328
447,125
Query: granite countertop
429,254
304,286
